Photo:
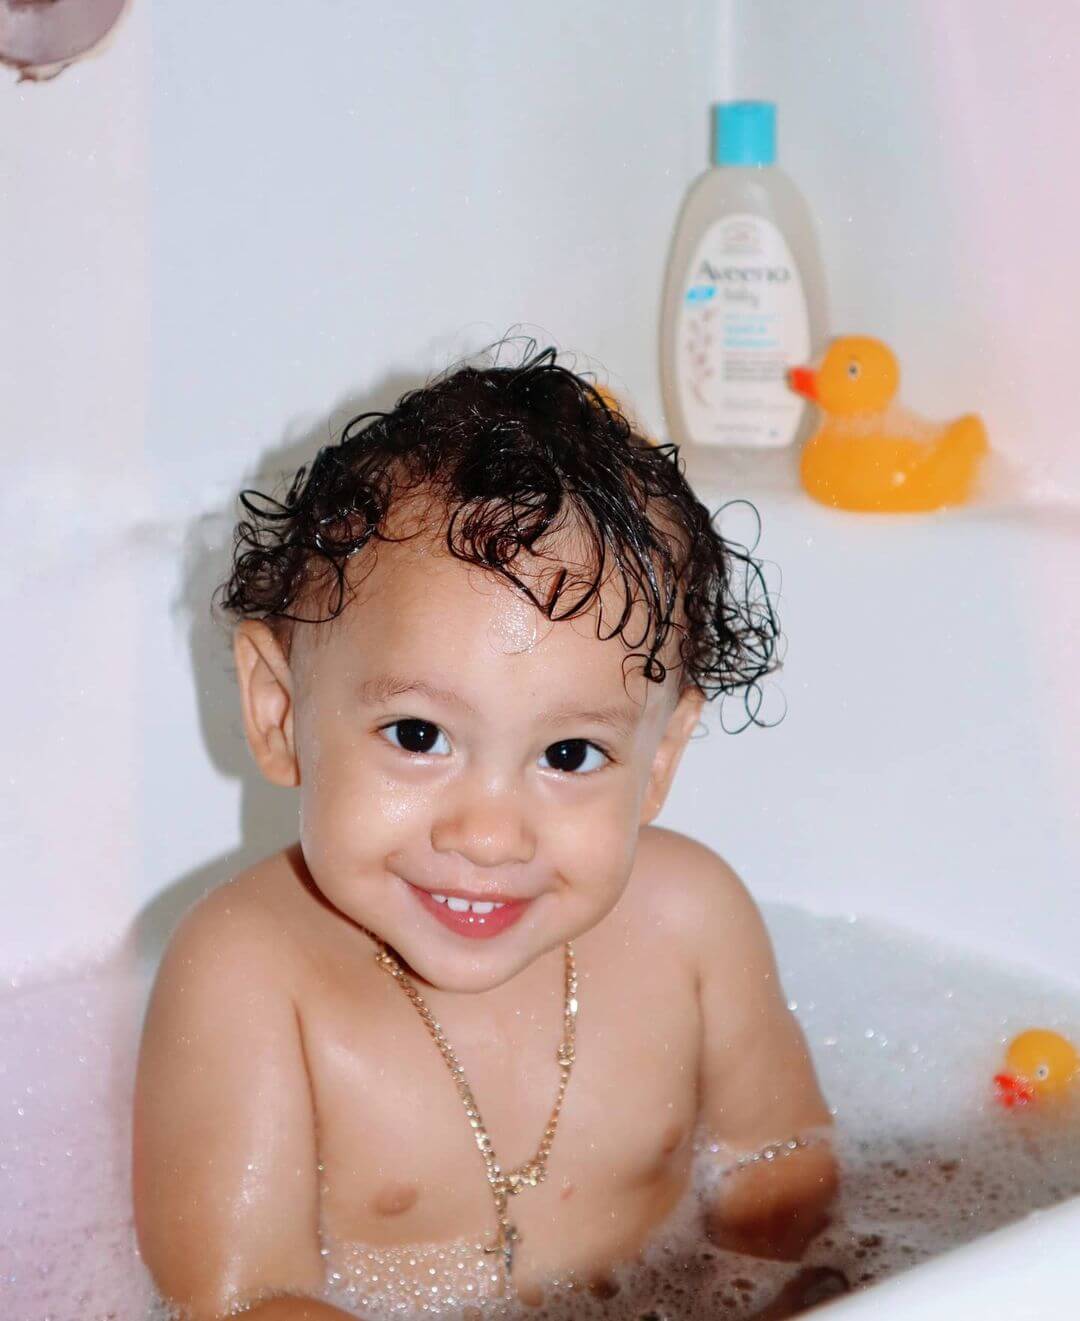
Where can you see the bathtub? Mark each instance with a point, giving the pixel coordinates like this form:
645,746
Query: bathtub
926,774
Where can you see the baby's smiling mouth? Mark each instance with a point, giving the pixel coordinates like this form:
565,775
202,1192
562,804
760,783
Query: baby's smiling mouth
470,914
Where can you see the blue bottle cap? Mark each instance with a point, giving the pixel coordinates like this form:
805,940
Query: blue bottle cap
744,133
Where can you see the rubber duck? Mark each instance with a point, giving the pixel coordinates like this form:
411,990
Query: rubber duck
869,453
1039,1065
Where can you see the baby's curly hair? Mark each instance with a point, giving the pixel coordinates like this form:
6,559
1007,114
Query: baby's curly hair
513,455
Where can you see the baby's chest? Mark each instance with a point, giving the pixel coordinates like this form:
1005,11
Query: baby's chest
399,1153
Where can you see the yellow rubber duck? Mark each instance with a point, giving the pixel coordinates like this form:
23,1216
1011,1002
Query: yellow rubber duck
1039,1065
870,454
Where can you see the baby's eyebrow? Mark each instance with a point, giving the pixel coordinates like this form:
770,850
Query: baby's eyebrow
623,719
385,686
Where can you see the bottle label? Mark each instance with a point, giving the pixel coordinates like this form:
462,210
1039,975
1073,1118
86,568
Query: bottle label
742,324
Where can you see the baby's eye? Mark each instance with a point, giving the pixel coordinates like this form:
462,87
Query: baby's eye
575,754
416,736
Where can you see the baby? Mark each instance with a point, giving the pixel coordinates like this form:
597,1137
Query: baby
457,1042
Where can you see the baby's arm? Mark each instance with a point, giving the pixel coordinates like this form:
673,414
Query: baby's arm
225,1182
758,1084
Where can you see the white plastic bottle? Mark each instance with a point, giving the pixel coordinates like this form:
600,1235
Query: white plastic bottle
744,299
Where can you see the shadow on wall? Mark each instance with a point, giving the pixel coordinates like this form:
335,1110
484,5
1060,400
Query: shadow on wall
268,814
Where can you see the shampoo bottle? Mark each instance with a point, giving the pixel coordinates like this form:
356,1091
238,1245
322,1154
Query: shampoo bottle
744,299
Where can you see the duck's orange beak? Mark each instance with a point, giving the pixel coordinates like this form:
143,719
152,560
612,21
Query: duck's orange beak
1012,1090
803,381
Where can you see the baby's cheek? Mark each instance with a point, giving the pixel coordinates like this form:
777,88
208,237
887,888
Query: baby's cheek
319,839
599,846
394,805
339,819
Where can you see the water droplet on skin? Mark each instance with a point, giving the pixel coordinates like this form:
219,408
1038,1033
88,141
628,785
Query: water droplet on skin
513,628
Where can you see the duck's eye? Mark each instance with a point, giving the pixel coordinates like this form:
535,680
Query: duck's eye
854,370
575,755
1042,1072
416,736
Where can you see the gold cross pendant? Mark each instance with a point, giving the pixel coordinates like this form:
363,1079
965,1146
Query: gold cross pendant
505,1244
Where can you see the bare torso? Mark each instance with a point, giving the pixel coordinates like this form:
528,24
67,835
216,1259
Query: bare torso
398,1163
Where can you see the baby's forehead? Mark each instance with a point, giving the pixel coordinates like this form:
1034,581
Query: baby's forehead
413,601
421,586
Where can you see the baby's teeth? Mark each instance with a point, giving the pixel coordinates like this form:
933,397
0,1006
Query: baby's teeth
479,906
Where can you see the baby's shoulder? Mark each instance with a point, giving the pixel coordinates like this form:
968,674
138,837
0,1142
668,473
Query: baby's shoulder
683,888
242,923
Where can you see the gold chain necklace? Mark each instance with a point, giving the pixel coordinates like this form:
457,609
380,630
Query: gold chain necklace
532,1172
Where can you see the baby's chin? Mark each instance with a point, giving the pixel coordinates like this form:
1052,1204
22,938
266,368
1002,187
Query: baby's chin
462,976
460,966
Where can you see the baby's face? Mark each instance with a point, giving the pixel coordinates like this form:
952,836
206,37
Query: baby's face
454,745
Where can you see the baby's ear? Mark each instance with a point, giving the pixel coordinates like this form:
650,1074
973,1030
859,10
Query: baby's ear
267,701
680,726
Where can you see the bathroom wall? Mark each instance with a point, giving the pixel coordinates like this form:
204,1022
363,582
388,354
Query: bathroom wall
237,225
223,234
936,144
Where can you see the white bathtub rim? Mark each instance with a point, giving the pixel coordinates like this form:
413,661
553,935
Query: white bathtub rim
1026,1271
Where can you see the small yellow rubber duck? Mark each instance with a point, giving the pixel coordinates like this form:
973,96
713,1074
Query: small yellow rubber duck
1039,1064
871,455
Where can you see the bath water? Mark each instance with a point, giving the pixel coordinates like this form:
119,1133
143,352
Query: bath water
906,1037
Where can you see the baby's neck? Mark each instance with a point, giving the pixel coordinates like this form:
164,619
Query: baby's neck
533,995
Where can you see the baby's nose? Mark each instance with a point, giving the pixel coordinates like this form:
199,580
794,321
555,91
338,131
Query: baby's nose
487,828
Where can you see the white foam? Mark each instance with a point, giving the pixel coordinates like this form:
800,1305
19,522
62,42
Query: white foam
906,1037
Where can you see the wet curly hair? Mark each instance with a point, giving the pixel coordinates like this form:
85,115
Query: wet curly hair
513,455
